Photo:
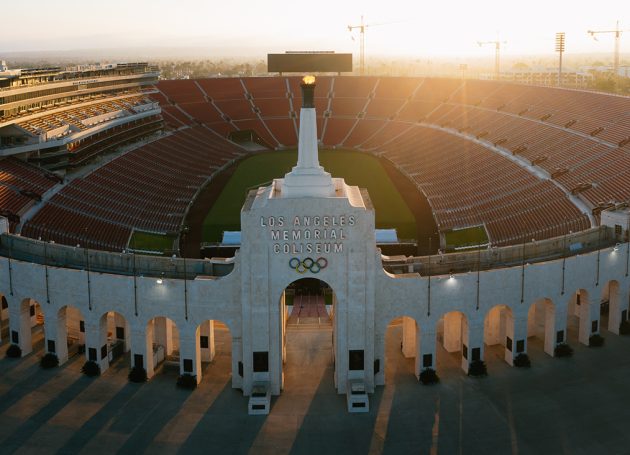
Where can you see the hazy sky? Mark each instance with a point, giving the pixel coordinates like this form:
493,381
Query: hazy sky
253,27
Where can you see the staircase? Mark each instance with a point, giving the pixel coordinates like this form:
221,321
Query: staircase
309,313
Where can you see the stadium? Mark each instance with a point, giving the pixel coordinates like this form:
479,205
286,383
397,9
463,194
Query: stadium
510,201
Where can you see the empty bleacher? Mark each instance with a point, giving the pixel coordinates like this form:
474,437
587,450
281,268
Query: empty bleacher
83,117
148,189
579,137
443,133
482,188
21,186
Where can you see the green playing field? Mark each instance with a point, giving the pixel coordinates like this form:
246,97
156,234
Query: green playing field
356,168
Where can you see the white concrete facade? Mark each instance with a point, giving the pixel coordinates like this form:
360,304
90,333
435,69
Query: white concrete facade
288,234
249,302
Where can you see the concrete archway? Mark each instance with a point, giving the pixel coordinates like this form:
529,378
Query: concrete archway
162,341
583,316
65,337
403,342
541,324
614,308
25,321
214,347
455,336
498,331
118,339
308,331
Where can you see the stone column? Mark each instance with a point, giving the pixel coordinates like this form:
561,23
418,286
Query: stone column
56,336
189,353
379,354
237,362
141,343
555,327
472,338
516,329
20,325
340,345
96,348
425,347
617,302
589,312
206,329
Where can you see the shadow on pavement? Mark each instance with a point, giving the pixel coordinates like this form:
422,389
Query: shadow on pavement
225,428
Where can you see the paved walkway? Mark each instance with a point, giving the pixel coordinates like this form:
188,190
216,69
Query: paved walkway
578,406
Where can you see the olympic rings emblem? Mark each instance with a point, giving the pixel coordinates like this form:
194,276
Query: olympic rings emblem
308,265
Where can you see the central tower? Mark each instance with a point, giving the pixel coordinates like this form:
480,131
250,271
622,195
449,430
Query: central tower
307,225
308,178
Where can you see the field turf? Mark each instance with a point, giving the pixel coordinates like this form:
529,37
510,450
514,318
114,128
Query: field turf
356,168
145,241
467,237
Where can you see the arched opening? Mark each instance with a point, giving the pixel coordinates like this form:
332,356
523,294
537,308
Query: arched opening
582,317
214,345
162,338
307,338
402,343
541,327
28,329
498,334
66,338
118,340
613,312
453,350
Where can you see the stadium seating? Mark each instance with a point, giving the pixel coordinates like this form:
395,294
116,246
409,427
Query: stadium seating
482,188
83,117
21,185
568,133
149,189
445,134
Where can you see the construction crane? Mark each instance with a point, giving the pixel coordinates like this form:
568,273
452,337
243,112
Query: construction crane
617,33
362,26
497,55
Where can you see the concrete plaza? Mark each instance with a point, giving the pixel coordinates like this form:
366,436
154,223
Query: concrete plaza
575,405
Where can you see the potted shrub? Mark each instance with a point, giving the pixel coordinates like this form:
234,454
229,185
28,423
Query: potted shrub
91,368
49,360
522,361
429,376
596,341
477,368
137,374
14,351
563,350
187,381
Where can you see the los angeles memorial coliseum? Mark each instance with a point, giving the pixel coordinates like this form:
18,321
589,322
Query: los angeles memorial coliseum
521,220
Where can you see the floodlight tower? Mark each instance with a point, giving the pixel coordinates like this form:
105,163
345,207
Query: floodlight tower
618,34
497,55
560,50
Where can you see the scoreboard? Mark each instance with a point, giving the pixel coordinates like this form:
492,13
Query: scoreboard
309,62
